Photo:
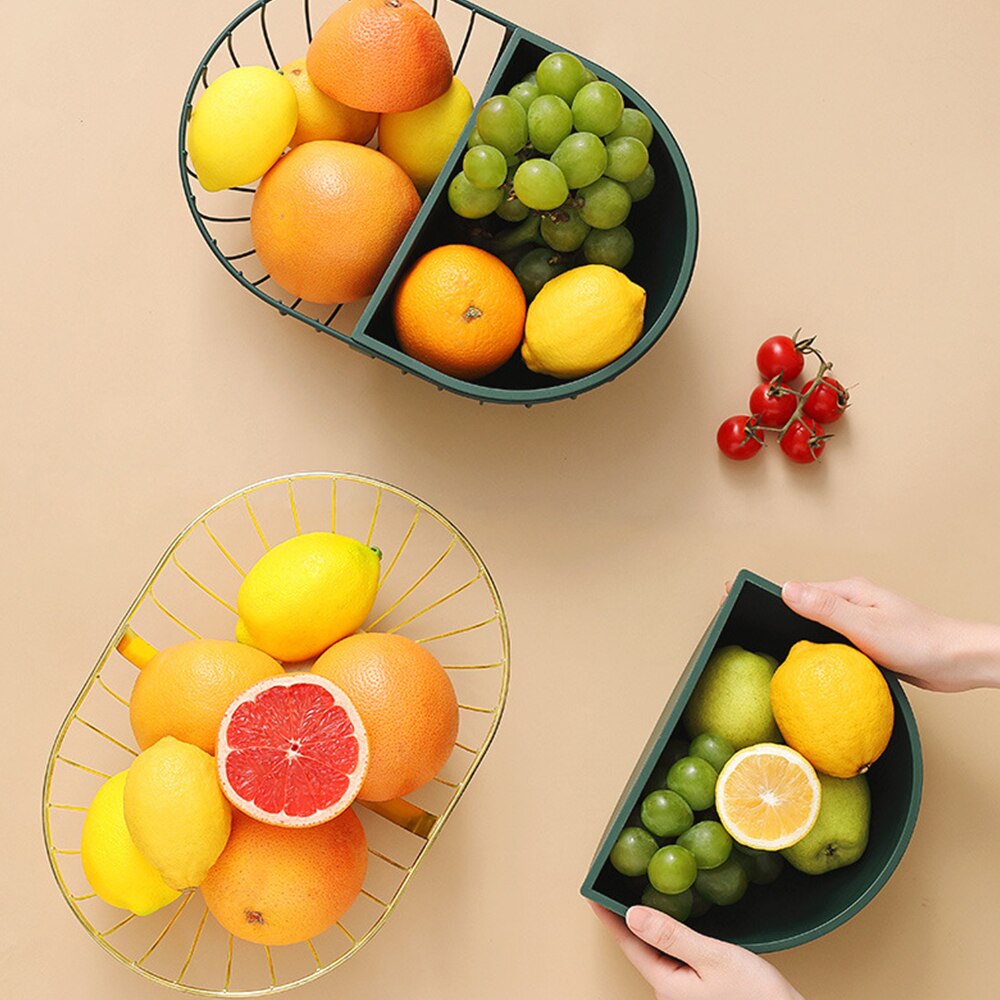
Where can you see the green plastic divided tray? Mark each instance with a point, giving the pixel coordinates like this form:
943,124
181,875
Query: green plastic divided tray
491,54
796,908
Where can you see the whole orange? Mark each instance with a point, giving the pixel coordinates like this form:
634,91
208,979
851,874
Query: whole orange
406,702
461,311
327,218
281,885
380,55
184,690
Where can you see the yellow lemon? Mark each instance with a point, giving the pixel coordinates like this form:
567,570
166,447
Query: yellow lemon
320,116
306,593
768,796
115,868
176,812
582,320
833,705
420,141
240,126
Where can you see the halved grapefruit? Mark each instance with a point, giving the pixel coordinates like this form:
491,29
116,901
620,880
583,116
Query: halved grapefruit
292,751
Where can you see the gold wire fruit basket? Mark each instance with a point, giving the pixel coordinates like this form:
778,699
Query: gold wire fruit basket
434,588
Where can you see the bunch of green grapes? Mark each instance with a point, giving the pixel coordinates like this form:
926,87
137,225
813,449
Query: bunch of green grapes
689,859
562,156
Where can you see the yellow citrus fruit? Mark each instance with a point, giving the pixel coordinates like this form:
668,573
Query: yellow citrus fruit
581,321
767,796
176,812
184,690
115,868
240,126
306,593
420,140
833,705
321,117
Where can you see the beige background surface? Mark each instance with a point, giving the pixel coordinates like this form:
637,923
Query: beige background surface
846,162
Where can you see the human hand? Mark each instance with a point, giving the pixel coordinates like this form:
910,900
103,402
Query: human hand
681,964
923,647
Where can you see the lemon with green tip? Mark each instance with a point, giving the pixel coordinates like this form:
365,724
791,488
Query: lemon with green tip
115,868
240,126
581,321
305,594
176,812
420,140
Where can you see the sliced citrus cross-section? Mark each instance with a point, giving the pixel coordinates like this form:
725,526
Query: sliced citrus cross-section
292,751
767,796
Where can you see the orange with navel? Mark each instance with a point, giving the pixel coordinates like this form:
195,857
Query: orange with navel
460,310
327,218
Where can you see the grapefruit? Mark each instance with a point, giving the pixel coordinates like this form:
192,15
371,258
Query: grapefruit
185,689
380,55
292,751
327,218
407,704
275,885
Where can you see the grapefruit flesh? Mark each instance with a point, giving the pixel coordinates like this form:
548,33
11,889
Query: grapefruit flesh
292,751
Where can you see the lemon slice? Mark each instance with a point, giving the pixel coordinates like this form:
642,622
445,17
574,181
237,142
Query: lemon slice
767,796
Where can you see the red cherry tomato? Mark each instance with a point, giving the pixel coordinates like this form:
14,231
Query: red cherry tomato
780,356
804,441
773,403
828,402
739,438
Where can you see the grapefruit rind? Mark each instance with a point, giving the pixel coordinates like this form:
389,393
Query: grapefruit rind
746,805
235,762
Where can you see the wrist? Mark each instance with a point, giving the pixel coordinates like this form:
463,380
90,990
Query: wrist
974,656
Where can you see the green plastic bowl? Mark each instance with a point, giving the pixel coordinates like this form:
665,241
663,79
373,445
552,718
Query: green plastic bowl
797,908
665,224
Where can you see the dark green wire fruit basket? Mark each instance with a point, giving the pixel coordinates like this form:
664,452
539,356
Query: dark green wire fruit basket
491,55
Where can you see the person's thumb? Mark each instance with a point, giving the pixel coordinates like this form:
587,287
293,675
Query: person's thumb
672,937
823,606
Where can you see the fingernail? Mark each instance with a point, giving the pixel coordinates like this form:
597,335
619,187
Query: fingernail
793,592
637,918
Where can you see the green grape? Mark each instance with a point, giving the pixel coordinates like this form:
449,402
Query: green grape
636,124
672,869
632,851
589,76
643,184
606,203
485,167
724,885
699,905
665,813
475,139
762,867
531,77
471,202
715,749
677,905
511,209
564,230
541,185
537,267
549,122
582,157
709,842
597,108
694,780
562,74
613,247
524,93
627,159
503,123
672,752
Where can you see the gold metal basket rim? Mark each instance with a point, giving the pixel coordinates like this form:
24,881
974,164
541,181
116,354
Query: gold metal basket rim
290,479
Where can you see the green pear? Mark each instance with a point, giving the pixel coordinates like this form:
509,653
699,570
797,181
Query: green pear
840,835
732,699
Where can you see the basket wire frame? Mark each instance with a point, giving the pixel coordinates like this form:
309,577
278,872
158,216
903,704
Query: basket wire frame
226,228
433,587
